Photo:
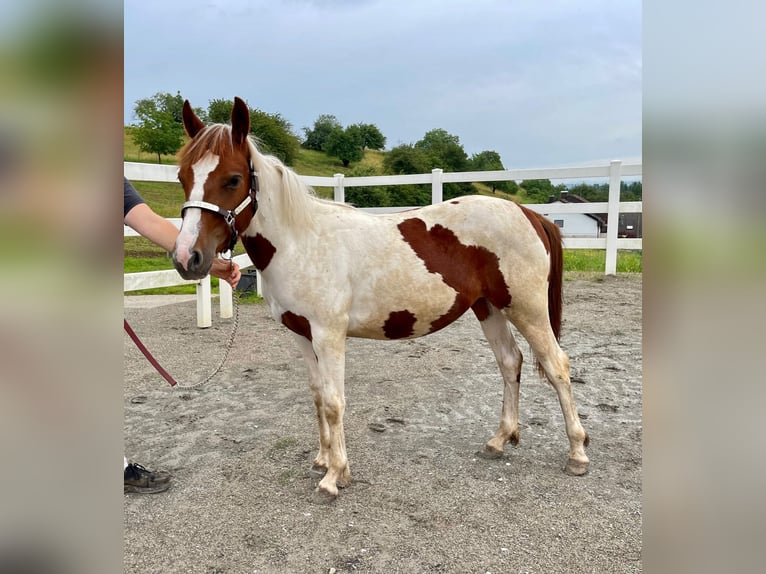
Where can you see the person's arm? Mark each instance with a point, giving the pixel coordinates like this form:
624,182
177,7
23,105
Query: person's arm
159,230
150,225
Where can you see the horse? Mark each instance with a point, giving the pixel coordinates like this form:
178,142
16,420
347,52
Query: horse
330,271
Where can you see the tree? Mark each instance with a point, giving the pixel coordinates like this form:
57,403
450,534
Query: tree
275,135
404,159
173,105
511,187
346,144
489,160
273,132
219,111
366,196
444,150
157,130
316,139
632,191
485,161
371,136
542,190
590,192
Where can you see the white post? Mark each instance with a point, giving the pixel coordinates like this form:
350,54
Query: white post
339,193
204,311
436,185
613,217
225,299
226,306
258,283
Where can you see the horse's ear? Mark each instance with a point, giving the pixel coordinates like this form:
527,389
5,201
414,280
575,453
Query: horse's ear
192,123
240,122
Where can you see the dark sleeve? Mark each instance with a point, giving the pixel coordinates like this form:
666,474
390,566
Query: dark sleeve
132,198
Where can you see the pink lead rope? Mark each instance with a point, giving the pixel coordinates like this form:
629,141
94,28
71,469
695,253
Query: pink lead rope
148,355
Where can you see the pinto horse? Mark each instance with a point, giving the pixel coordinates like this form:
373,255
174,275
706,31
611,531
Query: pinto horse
330,271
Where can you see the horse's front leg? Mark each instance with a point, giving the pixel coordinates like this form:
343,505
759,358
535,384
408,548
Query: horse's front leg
319,466
330,399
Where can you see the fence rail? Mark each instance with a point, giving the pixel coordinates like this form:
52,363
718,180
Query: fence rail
615,171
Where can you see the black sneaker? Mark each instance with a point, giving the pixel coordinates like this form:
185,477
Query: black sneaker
139,479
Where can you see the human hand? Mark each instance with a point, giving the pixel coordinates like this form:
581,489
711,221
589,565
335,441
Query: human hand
226,270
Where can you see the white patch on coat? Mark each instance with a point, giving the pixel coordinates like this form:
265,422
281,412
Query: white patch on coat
190,226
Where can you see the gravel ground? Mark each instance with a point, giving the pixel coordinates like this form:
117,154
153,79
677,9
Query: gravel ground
240,448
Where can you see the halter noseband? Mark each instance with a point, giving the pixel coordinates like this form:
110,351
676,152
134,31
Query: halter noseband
230,216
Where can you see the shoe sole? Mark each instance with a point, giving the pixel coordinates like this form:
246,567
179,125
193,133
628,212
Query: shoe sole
146,489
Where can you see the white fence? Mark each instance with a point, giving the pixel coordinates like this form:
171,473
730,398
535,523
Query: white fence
615,171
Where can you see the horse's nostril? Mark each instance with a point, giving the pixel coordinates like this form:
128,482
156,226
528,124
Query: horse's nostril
196,259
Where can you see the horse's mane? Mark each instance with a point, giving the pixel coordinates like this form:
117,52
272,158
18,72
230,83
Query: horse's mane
286,196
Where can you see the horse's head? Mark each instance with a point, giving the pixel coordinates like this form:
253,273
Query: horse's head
220,184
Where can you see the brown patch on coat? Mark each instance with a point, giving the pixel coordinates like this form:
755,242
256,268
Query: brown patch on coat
453,314
297,324
472,271
259,249
399,325
481,309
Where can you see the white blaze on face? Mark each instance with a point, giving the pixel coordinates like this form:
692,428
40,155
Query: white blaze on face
192,215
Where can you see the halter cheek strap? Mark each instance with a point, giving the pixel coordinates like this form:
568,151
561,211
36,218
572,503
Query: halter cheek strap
230,216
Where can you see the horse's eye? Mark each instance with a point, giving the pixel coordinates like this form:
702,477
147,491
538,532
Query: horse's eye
234,181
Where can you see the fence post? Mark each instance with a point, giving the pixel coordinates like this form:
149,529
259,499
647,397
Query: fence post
339,192
204,311
226,306
225,300
613,217
436,185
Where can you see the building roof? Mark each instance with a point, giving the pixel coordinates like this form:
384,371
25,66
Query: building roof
601,218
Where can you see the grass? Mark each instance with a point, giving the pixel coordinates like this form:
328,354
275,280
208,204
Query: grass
595,260
164,198
250,298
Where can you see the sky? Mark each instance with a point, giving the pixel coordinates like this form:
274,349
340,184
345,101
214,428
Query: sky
544,84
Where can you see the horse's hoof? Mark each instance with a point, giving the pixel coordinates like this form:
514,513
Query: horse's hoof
317,471
490,453
576,467
322,496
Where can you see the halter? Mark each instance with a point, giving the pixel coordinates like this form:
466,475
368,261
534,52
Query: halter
230,216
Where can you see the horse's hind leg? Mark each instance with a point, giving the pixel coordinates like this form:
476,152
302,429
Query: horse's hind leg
498,333
536,329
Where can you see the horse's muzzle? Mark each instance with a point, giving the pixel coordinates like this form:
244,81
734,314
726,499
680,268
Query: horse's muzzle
195,267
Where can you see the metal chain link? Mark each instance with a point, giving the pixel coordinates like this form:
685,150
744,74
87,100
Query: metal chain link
229,345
